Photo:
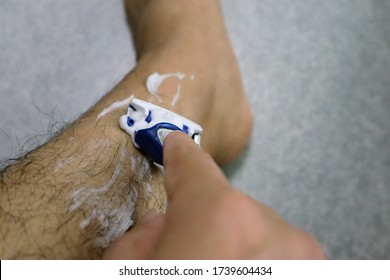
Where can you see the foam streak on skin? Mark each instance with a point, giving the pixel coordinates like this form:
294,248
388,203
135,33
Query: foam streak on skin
176,98
117,222
113,216
116,105
149,190
63,163
155,80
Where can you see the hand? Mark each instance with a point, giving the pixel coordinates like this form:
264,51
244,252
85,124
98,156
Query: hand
208,219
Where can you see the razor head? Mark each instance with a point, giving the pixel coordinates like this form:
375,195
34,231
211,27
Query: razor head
148,125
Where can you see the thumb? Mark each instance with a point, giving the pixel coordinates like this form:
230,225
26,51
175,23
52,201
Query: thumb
139,242
188,168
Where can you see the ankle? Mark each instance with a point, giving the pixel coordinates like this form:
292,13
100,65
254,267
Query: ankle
162,22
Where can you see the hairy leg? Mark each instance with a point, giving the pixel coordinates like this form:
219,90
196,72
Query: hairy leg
72,197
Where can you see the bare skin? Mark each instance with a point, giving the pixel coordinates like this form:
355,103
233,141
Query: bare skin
56,201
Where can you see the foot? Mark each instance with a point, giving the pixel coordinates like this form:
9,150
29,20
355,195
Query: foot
173,37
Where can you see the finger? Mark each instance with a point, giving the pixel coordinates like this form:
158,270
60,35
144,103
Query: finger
139,242
291,243
188,167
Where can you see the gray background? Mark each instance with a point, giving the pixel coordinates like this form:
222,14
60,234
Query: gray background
317,74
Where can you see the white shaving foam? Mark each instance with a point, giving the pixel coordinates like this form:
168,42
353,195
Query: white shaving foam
149,190
113,220
133,162
155,80
60,165
176,98
116,105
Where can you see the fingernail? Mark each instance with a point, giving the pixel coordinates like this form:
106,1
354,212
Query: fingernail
150,215
176,138
171,132
163,133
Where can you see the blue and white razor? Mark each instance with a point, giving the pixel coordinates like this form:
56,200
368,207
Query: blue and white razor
148,125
